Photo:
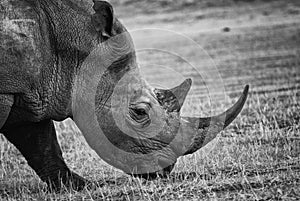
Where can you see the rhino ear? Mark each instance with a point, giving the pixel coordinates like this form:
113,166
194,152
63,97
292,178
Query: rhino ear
173,99
103,19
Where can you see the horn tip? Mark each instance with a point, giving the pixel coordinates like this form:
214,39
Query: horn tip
246,90
189,81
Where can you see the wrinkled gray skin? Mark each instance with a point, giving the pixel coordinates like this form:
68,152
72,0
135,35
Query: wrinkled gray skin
43,44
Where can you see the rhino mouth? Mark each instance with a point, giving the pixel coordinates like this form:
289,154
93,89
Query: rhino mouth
164,173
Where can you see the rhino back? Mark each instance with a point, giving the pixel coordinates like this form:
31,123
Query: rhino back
22,38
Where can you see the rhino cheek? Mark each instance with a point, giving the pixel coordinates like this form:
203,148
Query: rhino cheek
132,155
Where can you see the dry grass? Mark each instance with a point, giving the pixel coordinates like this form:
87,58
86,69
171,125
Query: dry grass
256,158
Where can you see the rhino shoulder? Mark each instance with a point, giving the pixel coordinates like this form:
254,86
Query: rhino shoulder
22,44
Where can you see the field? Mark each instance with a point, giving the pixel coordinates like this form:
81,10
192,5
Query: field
256,158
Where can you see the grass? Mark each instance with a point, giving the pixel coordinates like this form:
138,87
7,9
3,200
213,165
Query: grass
256,158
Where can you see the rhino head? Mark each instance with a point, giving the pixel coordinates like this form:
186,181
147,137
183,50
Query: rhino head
131,125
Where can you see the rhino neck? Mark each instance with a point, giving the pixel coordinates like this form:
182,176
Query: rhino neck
70,42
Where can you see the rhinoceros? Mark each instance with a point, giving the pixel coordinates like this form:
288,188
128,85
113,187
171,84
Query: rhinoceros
44,44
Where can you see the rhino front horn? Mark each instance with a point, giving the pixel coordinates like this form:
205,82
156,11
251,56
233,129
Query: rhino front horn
195,133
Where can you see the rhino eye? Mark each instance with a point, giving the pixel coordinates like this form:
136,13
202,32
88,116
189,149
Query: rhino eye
139,113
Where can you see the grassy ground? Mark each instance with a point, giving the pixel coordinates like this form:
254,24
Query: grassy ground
256,158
